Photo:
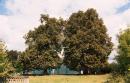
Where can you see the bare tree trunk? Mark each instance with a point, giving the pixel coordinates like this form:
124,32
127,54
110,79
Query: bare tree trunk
88,71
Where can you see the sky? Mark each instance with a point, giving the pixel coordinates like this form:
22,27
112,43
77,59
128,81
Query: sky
17,17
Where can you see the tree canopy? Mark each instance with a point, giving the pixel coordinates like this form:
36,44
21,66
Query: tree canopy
43,43
123,57
87,40
14,58
84,36
5,66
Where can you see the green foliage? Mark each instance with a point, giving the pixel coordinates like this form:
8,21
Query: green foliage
43,42
127,80
88,42
114,67
85,36
13,56
118,78
123,57
5,66
120,73
115,78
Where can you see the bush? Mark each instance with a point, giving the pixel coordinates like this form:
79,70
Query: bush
127,79
115,79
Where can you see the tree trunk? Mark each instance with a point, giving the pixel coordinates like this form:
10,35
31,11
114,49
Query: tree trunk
53,71
81,72
45,72
24,71
86,71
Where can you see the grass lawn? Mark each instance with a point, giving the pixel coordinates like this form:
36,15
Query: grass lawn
69,79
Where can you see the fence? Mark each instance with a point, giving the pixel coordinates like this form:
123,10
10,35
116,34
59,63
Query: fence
2,80
21,79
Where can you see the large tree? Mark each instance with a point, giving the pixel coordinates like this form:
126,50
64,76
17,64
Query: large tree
123,57
87,41
43,44
5,66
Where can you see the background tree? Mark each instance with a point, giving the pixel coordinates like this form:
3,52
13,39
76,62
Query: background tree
123,57
24,61
43,44
14,57
5,66
88,42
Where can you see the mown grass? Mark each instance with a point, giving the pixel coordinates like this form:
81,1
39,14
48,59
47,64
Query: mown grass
69,79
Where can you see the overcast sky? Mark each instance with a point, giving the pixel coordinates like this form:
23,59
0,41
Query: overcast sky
17,17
